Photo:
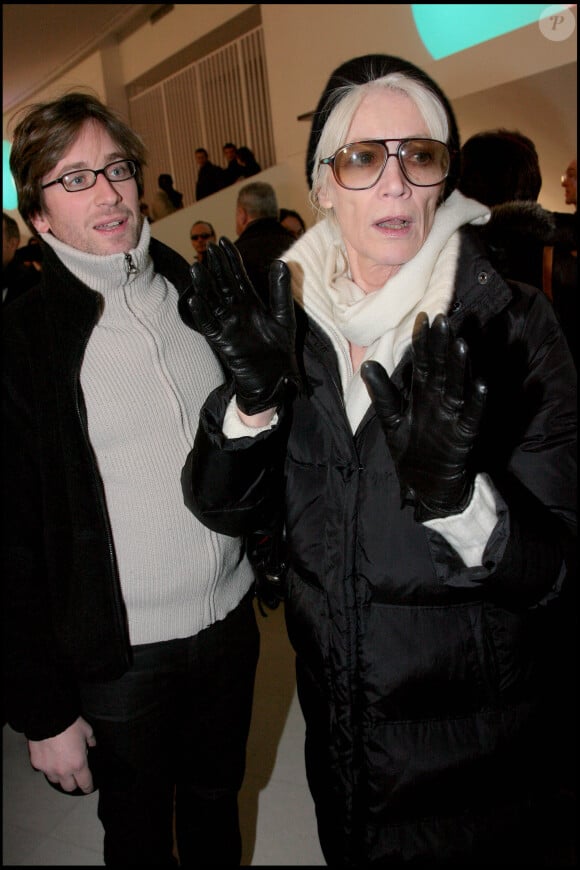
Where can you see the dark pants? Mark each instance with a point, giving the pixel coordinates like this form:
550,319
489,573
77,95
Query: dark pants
171,735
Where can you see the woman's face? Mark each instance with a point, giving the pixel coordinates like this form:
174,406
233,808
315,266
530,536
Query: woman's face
385,226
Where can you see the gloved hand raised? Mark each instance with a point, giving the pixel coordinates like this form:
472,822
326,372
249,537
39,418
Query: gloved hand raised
431,436
255,343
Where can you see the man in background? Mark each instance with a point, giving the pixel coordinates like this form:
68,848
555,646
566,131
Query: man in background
293,221
167,199
233,169
17,276
201,234
210,177
261,236
569,183
525,241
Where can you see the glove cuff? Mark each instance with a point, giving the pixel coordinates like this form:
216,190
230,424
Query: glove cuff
425,511
250,405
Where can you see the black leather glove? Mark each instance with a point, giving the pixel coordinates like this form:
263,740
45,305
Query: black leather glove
256,344
431,436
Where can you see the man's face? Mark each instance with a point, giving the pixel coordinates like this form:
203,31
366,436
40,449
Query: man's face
569,182
200,158
229,153
106,218
201,236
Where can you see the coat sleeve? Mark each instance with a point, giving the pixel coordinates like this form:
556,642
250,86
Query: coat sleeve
234,486
540,484
531,459
39,694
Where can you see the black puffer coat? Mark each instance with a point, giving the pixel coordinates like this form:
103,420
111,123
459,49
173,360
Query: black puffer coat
422,681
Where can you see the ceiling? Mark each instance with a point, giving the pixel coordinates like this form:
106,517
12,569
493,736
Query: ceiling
42,41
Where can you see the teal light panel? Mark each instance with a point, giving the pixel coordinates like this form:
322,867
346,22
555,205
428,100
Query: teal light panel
9,198
447,29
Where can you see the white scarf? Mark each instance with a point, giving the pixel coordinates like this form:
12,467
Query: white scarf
381,321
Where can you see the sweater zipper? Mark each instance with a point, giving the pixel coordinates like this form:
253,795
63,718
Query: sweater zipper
130,266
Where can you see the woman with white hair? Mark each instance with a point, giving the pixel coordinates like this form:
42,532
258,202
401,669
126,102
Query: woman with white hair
409,418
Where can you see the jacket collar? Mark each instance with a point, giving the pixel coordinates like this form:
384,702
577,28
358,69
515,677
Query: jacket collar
480,291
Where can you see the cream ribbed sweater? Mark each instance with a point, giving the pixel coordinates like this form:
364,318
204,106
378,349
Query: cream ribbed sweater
145,376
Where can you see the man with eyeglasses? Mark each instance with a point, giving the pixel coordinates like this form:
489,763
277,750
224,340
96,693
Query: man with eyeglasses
130,640
201,234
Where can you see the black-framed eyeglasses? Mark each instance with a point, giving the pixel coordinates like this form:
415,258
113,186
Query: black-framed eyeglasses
83,179
203,236
359,165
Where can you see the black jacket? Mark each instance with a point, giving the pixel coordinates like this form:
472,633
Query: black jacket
516,237
420,678
62,607
210,179
262,241
233,172
17,278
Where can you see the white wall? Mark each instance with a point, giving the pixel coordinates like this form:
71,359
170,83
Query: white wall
186,23
88,74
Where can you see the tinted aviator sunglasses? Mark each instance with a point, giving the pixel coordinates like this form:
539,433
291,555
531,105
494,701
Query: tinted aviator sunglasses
197,236
359,165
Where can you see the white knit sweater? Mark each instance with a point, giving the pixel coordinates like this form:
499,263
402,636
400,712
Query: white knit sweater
145,376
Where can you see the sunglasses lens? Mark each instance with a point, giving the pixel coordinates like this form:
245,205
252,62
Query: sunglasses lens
426,161
201,236
359,165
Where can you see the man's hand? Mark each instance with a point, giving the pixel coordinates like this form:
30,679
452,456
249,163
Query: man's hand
255,343
431,436
63,758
